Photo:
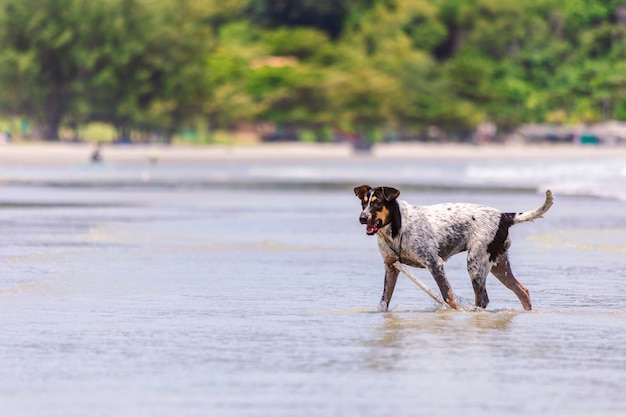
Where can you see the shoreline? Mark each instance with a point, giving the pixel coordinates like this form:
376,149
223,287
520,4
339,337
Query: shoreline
51,154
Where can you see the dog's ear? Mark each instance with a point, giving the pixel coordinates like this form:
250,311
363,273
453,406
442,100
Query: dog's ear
361,190
390,193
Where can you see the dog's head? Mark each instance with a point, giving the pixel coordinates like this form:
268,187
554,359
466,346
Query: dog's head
379,208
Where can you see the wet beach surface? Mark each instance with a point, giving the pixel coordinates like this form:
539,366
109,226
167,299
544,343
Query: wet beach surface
249,289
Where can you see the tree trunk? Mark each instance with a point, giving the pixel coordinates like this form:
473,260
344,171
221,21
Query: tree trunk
54,114
51,132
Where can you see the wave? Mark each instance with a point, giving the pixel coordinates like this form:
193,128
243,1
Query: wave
600,177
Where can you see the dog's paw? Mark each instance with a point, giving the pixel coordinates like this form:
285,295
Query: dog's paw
382,306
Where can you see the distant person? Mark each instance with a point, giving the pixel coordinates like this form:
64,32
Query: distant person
96,153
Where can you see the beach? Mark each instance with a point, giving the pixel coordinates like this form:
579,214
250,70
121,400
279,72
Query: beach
44,153
566,168
238,281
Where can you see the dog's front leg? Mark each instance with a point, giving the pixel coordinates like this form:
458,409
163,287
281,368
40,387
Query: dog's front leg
391,276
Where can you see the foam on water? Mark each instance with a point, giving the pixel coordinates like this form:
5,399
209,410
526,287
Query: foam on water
603,178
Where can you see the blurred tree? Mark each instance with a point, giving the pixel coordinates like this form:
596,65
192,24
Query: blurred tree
590,77
267,75
132,63
302,43
289,82
39,73
325,15
364,65
390,46
502,49
362,98
290,96
151,73
228,68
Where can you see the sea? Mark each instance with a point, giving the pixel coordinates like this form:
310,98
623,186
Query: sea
248,287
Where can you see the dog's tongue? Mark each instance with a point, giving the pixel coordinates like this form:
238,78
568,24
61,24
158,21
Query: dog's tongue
371,229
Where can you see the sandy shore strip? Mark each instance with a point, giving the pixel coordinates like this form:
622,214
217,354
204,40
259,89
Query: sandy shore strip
50,154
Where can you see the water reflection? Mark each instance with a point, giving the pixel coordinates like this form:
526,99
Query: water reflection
444,324
421,340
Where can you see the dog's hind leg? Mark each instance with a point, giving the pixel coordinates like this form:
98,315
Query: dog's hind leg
391,276
439,274
478,268
502,271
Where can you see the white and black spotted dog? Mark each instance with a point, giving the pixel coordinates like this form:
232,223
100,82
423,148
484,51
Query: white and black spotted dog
426,236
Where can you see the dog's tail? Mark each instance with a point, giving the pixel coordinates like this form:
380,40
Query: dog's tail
529,216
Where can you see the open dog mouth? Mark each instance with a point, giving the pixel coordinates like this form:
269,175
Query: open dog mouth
371,229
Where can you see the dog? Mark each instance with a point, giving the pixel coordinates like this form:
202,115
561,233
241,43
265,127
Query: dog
427,236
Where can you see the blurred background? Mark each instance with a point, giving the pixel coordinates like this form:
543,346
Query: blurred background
158,280
362,71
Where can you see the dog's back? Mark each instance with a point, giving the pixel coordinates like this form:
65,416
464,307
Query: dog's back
453,226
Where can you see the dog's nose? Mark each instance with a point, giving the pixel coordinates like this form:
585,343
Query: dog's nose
363,218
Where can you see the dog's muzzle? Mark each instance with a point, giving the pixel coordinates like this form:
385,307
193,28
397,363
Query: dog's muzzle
370,229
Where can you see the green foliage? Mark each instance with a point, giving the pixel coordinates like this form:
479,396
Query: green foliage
325,15
132,63
366,66
302,43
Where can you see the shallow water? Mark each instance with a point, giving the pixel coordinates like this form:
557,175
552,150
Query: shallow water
238,290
